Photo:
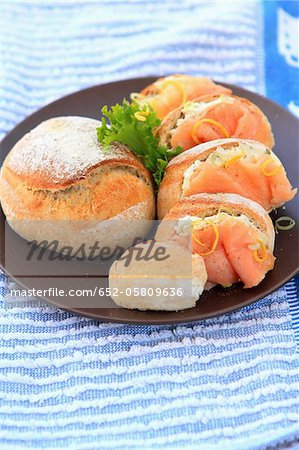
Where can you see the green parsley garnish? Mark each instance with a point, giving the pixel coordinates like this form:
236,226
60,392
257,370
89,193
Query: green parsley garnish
133,125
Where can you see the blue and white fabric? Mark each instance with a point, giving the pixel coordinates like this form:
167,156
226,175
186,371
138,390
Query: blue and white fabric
68,382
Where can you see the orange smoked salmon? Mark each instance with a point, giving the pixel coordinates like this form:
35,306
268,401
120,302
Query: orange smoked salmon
167,94
215,117
236,166
234,236
238,256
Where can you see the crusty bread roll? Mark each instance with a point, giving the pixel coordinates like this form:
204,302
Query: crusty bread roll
206,205
57,183
238,166
171,284
233,234
212,117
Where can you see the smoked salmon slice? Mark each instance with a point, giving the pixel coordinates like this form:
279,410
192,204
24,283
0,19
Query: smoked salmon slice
246,179
235,166
234,236
238,256
167,94
215,117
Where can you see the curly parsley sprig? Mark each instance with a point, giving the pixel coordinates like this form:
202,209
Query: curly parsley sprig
133,124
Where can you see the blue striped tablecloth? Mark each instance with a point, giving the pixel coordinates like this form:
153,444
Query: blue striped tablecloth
69,382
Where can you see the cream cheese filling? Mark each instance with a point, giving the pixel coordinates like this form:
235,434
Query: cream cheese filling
187,224
192,108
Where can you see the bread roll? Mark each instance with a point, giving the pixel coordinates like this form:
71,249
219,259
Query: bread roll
213,117
238,166
58,183
234,235
171,284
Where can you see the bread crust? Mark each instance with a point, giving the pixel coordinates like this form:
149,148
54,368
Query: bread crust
84,184
108,184
63,150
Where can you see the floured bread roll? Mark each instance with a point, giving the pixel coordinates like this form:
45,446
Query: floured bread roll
171,279
57,183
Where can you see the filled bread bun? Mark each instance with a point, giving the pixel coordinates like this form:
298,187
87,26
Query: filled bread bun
234,235
214,117
169,93
171,283
238,166
58,183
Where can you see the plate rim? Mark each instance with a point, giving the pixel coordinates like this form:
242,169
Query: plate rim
163,320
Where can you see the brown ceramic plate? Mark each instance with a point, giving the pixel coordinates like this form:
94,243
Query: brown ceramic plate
216,301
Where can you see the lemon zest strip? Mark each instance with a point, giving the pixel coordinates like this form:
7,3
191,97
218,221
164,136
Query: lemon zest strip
141,115
235,158
265,164
215,243
263,248
212,122
180,88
